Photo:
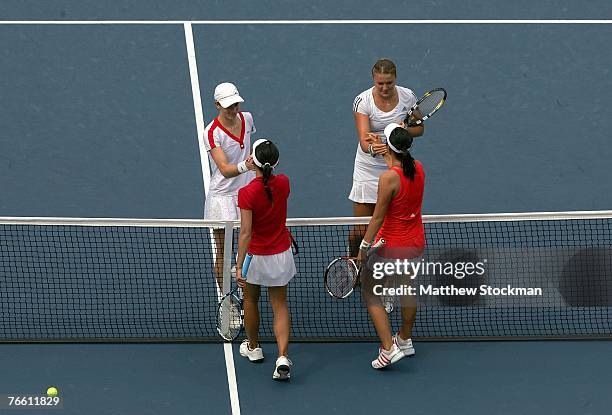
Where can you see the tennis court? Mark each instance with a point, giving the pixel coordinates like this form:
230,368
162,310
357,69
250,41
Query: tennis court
102,121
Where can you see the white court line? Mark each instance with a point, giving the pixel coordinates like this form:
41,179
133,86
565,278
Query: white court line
231,378
305,22
197,104
199,115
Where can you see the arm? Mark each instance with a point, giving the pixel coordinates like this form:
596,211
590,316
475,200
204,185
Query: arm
366,138
226,169
387,188
417,130
246,222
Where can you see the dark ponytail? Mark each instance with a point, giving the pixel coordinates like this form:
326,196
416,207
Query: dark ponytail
267,172
408,166
267,154
402,140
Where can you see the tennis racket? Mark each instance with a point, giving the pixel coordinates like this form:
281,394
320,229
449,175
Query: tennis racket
230,314
425,107
342,274
294,245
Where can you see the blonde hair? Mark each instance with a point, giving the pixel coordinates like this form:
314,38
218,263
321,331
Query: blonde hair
384,66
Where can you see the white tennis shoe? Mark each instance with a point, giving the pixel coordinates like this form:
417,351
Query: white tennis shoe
282,371
254,355
387,357
404,345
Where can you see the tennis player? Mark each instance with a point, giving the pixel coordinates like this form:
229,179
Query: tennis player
263,212
374,109
228,141
397,220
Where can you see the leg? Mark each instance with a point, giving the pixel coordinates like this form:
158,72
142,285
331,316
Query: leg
278,299
251,313
375,306
371,293
219,235
409,310
356,234
381,324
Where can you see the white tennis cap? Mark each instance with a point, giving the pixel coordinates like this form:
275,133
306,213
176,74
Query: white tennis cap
226,94
389,129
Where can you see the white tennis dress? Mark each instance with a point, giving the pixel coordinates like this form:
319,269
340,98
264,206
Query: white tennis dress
368,169
222,198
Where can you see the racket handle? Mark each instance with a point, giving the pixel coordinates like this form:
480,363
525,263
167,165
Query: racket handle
245,265
380,242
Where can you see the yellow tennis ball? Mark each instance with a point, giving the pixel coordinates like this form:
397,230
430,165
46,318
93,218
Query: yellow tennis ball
52,391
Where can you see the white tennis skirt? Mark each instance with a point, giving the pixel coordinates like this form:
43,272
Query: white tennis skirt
272,270
364,192
221,207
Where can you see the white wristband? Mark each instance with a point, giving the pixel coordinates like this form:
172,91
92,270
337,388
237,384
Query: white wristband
371,151
364,244
242,167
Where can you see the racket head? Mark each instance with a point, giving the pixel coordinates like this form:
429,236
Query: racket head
425,107
341,277
230,317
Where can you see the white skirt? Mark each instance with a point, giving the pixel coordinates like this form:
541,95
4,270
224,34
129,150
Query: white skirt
364,192
221,207
272,270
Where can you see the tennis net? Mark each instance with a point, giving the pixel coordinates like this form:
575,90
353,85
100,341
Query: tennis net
154,280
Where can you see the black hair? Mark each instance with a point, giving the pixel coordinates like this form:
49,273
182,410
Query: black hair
267,154
402,140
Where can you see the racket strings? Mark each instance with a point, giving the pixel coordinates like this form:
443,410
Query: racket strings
341,278
229,321
430,104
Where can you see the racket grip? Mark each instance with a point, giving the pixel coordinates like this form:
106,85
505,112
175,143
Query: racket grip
245,265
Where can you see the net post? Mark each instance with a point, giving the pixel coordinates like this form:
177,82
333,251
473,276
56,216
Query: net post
227,257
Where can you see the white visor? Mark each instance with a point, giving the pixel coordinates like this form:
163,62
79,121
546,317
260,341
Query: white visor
257,162
388,130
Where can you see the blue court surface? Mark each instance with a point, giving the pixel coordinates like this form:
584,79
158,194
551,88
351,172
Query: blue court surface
102,121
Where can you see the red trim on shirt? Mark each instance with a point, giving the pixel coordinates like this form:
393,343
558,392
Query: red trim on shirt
239,140
211,131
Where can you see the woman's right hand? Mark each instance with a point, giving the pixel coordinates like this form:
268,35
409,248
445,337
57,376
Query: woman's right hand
250,164
239,278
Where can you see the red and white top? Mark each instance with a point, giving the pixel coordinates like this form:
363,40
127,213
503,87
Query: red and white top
236,149
269,234
402,227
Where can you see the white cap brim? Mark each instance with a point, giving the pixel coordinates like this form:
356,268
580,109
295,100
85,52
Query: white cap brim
389,129
231,100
